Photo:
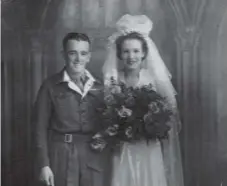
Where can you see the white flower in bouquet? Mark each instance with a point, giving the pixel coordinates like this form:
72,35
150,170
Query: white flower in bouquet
112,130
128,132
98,144
124,112
97,135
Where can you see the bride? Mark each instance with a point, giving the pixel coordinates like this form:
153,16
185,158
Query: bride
133,59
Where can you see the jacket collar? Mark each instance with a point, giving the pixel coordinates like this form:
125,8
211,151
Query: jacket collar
64,77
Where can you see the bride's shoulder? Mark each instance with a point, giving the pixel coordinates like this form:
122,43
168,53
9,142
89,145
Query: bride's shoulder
146,76
144,72
121,76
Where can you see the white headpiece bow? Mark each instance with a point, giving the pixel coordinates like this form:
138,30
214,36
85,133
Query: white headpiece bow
129,23
153,62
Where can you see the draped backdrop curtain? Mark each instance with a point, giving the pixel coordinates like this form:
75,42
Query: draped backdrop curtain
188,35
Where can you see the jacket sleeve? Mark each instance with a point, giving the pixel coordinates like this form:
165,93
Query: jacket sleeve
42,115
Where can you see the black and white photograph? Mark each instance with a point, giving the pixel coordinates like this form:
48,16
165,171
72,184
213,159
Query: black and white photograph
113,92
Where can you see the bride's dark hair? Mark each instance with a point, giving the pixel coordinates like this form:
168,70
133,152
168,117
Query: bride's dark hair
133,35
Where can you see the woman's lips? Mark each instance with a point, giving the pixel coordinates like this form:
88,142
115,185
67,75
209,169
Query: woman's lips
131,62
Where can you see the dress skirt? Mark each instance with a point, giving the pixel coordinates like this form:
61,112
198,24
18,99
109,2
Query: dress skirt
139,164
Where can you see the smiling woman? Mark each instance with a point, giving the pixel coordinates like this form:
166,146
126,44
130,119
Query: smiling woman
131,51
142,162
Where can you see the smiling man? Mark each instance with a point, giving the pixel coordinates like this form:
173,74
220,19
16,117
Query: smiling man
66,119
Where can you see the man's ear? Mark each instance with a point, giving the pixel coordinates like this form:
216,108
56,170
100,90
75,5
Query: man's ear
63,54
89,57
143,55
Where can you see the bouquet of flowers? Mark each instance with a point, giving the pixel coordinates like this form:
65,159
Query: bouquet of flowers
132,114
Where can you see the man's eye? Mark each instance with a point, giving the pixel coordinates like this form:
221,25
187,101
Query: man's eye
84,53
71,53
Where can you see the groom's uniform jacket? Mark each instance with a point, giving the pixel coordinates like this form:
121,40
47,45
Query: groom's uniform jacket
65,120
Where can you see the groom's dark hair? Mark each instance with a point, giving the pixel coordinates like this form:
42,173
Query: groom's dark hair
75,36
133,35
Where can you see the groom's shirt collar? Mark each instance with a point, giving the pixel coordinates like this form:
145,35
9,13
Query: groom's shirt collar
72,85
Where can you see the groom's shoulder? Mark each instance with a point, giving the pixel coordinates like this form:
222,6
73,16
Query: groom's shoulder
98,83
52,79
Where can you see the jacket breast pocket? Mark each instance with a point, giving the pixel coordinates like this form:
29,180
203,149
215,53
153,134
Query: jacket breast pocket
65,102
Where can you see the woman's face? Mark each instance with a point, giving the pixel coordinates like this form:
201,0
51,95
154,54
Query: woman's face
132,54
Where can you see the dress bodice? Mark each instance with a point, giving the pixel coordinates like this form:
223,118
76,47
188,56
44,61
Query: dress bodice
145,78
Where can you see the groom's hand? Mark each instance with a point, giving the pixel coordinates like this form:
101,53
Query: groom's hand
47,176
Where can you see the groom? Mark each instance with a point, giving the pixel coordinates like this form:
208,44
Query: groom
66,119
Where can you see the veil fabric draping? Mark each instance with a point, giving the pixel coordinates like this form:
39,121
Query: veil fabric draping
161,80
153,62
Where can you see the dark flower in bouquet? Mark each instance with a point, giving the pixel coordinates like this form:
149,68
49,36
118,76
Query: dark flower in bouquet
131,114
157,118
130,101
153,107
109,100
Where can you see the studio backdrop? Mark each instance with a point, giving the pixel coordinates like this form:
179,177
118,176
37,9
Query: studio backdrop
189,36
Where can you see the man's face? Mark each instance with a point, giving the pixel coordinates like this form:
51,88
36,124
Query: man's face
77,55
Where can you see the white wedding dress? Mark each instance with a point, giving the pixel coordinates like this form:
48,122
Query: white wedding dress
139,163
